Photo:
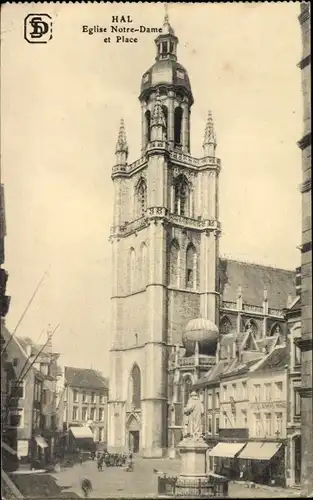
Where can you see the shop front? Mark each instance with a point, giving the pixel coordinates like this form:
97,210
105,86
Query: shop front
225,455
81,439
263,462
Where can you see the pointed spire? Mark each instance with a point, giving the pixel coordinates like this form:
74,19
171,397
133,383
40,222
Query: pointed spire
121,145
157,117
167,28
209,134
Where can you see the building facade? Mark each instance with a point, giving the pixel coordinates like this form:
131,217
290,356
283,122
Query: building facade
82,402
293,459
305,343
170,286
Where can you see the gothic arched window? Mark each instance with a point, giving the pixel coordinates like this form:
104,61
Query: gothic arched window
252,327
181,195
136,387
165,113
132,269
178,115
144,264
225,326
148,125
174,263
275,330
191,266
141,198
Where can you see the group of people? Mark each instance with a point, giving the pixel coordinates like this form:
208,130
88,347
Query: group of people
112,459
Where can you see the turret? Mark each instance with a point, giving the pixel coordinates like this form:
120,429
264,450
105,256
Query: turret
121,150
209,142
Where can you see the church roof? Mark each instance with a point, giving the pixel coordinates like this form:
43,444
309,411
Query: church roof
167,72
253,278
85,378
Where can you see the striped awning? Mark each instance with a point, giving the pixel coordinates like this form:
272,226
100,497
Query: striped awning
260,450
41,442
226,450
81,432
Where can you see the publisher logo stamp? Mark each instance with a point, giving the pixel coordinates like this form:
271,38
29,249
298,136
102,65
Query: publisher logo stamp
38,28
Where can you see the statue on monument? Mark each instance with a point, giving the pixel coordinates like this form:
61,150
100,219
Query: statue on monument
193,416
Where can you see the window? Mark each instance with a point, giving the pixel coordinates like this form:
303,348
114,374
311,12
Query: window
93,397
217,400
75,396
244,390
244,418
132,269
252,327
165,113
141,195
16,417
297,404
178,115
268,424
297,355
278,391
174,263
191,263
278,424
181,195
225,326
234,393
84,413
217,425
75,413
102,399
144,264
44,368
101,414
210,424
84,397
257,424
148,124
17,389
268,392
224,392
136,387
45,396
209,401
257,392
93,414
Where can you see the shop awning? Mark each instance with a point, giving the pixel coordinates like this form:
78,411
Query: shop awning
226,450
81,432
260,451
8,448
41,442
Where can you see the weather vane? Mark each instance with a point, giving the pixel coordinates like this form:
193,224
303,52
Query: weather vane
166,13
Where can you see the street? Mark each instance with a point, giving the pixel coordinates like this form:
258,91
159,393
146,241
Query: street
143,482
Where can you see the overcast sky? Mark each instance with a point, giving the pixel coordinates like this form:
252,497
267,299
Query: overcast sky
61,106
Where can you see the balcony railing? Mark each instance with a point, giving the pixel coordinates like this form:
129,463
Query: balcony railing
213,486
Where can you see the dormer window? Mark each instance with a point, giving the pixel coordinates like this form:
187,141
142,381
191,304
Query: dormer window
180,74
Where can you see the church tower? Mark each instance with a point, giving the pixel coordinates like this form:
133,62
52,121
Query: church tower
164,251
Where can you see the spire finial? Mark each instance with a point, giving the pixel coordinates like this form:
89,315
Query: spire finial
166,20
121,145
209,142
167,28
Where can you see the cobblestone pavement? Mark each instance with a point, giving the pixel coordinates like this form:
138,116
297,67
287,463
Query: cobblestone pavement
116,482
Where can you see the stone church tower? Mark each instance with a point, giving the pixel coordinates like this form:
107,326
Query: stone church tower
164,251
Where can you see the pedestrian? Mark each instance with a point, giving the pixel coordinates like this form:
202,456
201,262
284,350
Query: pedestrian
86,486
100,463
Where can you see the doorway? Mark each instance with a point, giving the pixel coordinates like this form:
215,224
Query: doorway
134,437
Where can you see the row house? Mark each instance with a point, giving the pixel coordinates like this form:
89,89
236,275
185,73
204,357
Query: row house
82,402
293,458
23,401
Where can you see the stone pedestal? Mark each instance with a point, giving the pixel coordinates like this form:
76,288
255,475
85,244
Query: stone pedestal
193,457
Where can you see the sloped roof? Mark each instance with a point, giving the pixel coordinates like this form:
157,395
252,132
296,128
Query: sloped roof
253,278
275,360
85,378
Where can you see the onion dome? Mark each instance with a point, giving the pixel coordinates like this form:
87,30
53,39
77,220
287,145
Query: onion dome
203,331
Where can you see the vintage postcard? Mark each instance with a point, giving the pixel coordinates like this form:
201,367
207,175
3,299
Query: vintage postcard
156,324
